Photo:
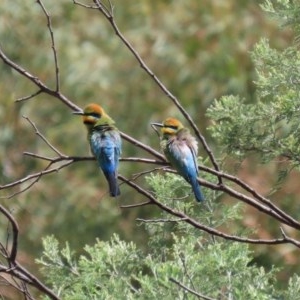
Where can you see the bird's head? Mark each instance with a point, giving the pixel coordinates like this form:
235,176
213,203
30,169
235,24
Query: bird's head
93,114
169,127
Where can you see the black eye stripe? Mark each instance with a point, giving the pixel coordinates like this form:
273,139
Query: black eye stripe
170,126
96,115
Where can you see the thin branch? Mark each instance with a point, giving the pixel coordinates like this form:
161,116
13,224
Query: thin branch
44,88
110,17
291,240
200,226
142,146
14,268
200,296
49,25
15,230
29,97
289,220
34,281
34,175
145,161
136,205
161,220
267,208
39,134
246,199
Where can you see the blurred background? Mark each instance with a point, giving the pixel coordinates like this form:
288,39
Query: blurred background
198,49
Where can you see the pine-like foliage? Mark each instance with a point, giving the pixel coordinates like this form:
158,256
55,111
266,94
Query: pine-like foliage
178,257
270,126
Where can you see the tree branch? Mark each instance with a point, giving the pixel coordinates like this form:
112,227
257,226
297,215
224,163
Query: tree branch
108,14
200,296
195,224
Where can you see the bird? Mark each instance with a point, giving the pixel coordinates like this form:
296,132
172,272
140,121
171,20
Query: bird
180,149
105,143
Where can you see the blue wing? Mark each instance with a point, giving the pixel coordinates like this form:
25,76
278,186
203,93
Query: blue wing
106,147
183,158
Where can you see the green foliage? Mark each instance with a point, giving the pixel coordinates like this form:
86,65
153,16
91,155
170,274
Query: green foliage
190,45
198,51
270,126
116,269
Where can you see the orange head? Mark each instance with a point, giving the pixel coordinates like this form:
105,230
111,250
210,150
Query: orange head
91,114
170,126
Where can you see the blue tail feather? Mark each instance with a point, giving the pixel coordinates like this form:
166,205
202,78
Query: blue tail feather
197,191
113,184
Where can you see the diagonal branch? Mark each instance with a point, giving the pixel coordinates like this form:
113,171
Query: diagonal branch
35,80
200,296
200,226
108,14
15,230
49,25
15,269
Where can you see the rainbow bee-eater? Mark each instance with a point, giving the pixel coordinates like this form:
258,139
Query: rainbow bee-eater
180,149
105,143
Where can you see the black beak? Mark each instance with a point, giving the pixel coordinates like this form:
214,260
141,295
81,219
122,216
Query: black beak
154,125
81,113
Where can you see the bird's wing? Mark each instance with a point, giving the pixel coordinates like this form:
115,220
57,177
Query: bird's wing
106,151
194,157
184,157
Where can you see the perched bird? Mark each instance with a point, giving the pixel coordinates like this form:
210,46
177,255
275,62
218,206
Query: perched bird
180,149
105,143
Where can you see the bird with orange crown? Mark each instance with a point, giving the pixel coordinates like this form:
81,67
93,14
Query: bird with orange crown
180,149
105,143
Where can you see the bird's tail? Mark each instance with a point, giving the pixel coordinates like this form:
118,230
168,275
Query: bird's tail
113,184
197,190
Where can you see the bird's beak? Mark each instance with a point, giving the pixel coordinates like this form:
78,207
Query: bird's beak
78,113
154,125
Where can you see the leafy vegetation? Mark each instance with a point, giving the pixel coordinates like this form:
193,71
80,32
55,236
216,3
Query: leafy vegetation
248,102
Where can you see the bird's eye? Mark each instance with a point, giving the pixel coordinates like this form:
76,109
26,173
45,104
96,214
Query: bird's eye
95,115
172,127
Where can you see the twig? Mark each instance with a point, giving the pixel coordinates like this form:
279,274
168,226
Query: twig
136,205
32,176
15,269
195,224
110,17
293,241
29,97
142,146
49,25
39,134
15,230
161,220
291,221
200,296
42,86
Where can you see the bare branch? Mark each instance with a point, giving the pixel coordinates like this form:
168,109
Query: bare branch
161,220
110,17
38,133
200,296
136,205
196,224
15,269
36,176
289,220
15,229
29,97
142,146
38,82
49,25
292,241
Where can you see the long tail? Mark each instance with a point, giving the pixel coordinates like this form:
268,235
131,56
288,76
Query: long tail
113,184
197,190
